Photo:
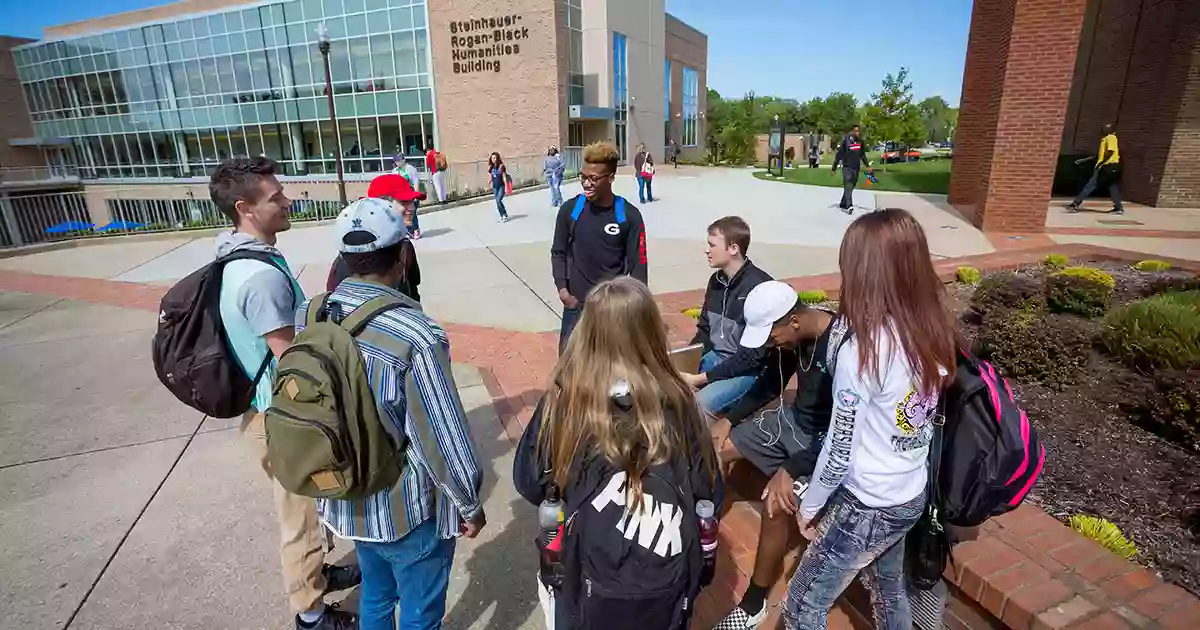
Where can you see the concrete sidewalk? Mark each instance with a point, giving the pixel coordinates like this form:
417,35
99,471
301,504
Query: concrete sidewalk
124,509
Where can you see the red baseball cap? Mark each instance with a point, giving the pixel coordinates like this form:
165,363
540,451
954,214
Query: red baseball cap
395,186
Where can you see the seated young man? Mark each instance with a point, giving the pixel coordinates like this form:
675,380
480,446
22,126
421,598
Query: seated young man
727,370
784,441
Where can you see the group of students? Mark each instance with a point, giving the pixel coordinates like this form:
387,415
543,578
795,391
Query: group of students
627,441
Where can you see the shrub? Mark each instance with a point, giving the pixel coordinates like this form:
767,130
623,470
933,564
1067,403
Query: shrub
1085,291
1159,331
1055,261
967,275
1168,405
816,296
1007,290
1108,535
1031,345
1170,283
694,313
1152,265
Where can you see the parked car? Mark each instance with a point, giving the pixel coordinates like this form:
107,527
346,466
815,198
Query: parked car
893,153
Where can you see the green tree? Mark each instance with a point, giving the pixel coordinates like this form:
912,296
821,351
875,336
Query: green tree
891,113
938,117
836,113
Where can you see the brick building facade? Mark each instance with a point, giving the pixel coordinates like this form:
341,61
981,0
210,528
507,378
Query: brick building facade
1035,66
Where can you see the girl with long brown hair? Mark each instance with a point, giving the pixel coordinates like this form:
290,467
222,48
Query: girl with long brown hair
620,429
870,479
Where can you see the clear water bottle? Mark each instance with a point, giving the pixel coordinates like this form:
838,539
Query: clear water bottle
706,515
550,518
550,511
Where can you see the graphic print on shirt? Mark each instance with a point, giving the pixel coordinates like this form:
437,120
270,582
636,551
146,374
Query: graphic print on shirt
841,438
655,518
913,418
612,229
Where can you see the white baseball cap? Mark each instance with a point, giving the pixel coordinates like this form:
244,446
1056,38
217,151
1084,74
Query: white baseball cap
368,225
766,304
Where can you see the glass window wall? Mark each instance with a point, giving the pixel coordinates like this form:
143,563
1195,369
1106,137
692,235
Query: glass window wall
691,106
173,99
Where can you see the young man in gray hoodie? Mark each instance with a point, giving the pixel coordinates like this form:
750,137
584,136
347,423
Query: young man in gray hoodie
258,305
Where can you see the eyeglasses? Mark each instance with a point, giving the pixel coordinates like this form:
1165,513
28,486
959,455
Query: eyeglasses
594,180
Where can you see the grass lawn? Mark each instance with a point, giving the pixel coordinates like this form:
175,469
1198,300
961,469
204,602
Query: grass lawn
924,176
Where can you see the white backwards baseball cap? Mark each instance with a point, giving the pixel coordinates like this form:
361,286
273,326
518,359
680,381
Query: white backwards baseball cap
766,304
368,225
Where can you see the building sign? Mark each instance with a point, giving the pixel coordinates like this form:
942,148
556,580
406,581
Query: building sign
481,44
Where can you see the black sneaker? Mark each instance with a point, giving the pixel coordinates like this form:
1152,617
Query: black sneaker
1117,211
341,578
738,619
1072,208
333,619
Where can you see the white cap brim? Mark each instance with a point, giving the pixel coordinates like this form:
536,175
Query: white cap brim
755,337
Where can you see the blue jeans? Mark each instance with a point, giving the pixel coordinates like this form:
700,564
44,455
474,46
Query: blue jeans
555,182
641,188
412,572
499,194
416,224
851,538
721,396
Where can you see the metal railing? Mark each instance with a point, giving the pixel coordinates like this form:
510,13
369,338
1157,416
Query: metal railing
106,210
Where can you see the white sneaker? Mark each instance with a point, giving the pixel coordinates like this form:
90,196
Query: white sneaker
504,219
738,619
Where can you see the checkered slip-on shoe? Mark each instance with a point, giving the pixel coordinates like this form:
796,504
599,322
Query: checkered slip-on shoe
738,619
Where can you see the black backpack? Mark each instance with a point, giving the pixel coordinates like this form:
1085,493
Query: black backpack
985,456
636,572
191,351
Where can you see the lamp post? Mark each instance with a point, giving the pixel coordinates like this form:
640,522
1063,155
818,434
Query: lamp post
323,46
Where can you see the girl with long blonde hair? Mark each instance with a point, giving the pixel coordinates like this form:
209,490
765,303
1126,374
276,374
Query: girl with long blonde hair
619,428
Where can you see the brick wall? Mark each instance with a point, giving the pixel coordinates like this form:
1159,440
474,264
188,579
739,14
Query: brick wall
1020,63
14,111
1138,68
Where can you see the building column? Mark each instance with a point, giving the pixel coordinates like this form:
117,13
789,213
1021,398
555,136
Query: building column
1016,83
296,137
181,153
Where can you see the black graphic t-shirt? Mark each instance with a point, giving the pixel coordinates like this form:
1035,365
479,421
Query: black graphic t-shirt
597,247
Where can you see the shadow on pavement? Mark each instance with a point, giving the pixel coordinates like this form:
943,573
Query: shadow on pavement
435,232
503,573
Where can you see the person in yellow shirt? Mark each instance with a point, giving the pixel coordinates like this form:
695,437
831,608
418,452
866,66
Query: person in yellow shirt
1107,173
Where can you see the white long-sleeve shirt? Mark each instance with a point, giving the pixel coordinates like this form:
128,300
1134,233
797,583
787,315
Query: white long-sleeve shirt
878,441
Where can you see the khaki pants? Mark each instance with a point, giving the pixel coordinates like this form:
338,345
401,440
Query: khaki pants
302,537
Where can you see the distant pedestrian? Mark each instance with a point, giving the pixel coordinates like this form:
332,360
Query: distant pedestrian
648,176
435,163
814,157
597,236
554,169
498,174
1107,173
852,154
675,153
639,160
403,167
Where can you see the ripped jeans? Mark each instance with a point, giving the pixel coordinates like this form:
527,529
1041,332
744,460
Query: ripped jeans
851,538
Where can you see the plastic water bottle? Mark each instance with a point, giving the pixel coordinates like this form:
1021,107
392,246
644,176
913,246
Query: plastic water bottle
550,518
706,515
550,511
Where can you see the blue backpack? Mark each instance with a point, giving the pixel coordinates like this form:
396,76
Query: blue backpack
581,202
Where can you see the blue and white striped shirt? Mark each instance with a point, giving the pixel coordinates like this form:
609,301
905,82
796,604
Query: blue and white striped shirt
416,393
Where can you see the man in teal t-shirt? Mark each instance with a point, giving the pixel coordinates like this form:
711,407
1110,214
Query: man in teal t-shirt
258,305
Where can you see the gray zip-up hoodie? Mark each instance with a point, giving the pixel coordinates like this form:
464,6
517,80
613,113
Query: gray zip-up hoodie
266,297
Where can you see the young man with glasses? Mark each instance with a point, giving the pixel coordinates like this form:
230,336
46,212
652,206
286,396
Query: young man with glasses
597,236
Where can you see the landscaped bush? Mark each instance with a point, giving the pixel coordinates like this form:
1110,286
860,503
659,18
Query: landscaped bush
1168,406
1170,284
968,275
1085,291
1159,331
1031,345
1152,265
1007,290
1108,535
816,296
1055,261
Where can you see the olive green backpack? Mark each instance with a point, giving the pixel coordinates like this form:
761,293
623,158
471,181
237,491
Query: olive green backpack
325,437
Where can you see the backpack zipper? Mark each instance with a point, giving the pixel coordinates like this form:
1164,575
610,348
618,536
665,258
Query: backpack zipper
333,438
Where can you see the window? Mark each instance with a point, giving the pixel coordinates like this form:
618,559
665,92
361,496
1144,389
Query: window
620,75
691,106
667,101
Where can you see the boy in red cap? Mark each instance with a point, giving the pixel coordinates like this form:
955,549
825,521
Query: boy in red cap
394,188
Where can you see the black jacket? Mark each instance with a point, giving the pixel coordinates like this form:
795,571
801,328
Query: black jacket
339,271
721,322
596,247
850,153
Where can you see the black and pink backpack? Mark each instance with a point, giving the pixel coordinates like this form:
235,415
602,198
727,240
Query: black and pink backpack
991,455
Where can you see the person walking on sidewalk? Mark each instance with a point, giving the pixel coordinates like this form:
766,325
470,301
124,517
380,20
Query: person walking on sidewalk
554,169
414,179
1107,173
852,155
404,535
258,303
436,165
597,236
639,160
498,174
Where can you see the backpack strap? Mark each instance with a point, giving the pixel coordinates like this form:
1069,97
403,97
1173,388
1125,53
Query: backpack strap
580,202
263,257
358,319
620,208
317,310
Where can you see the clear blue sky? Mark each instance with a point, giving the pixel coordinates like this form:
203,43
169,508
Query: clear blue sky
823,45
